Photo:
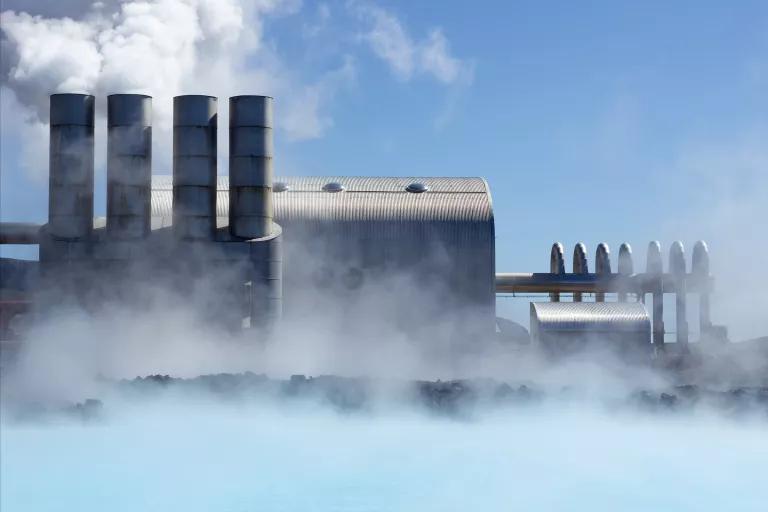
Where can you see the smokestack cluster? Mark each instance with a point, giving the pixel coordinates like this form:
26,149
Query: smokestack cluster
252,246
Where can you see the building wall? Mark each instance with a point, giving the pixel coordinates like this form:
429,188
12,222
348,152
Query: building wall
417,258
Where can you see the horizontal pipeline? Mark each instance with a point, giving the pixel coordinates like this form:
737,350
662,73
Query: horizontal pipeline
23,233
593,283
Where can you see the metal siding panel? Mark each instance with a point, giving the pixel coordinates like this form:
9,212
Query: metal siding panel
376,222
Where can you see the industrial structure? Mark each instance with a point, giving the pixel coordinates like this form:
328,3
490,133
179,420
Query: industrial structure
272,244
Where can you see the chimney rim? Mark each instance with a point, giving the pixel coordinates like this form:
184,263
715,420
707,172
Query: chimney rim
196,96
239,96
129,94
72,94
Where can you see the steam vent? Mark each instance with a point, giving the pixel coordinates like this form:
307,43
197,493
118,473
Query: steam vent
271,247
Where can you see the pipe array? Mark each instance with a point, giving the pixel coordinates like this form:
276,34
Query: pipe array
625,281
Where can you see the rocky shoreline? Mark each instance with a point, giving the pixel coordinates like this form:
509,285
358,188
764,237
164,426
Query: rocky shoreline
457,399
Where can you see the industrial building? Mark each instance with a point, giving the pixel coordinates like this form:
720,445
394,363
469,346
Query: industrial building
273,247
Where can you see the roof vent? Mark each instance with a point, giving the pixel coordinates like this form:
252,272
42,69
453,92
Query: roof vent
416,188
333,186
280,186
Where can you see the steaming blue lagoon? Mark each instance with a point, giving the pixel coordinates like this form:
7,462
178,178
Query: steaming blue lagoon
242,459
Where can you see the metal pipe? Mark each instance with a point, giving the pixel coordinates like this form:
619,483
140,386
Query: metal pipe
194,167
250,166
580,265
594,283
22,233
677,269
129,165
556,266
70,197
700,269
602,266
548,283
654,267
626,267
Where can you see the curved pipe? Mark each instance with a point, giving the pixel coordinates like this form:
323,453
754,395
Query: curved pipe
602,266
654,266
700,259
556,266
677,259
677,269
23,233
626,267
700,269
580,265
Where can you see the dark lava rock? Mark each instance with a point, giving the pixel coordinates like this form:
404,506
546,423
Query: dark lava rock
343,393
650,401
668,400
89,410
506,394
449,397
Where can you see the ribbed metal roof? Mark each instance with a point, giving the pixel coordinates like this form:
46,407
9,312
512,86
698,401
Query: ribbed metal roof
364,198
590,317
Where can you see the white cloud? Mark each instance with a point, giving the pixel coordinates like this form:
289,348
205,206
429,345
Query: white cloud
390,42
309,102
162,48
407,57
436,58
168,47
322,18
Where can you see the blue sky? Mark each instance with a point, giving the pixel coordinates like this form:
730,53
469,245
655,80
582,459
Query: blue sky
592,121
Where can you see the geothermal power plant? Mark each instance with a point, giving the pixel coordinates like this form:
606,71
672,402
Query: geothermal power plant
266,247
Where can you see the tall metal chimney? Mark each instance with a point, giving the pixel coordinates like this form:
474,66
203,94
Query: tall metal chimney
129,165
194,167
250,166
70,193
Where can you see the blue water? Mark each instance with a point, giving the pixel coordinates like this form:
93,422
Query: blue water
237,459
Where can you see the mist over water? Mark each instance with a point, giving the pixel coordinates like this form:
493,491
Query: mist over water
173,448
215,457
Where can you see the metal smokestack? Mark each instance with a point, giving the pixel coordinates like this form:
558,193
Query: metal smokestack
250,166
70,194
129,165
194,167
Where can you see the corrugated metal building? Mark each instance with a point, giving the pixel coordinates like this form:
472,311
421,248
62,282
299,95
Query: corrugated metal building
433,238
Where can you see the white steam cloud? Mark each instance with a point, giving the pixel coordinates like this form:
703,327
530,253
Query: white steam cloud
162,48
169,47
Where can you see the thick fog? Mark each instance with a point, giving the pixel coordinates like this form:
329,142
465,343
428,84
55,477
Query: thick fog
591,432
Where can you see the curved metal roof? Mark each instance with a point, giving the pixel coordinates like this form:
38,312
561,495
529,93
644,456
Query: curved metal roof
363,199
